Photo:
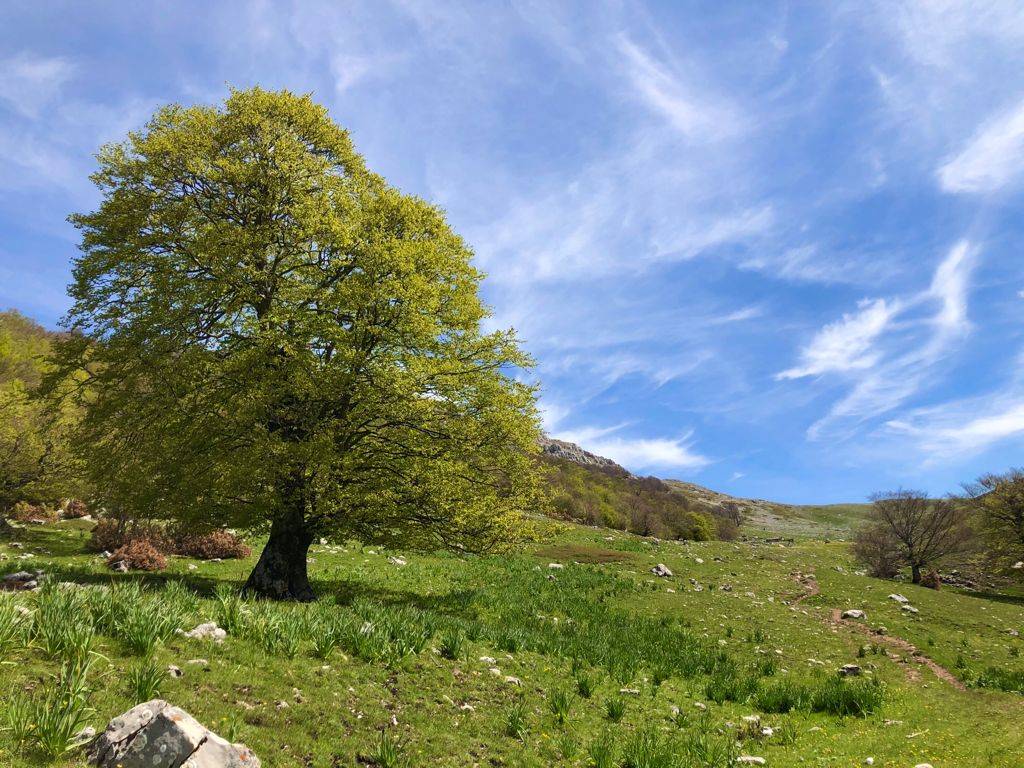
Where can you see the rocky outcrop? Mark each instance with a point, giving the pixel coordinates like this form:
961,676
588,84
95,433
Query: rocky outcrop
159,735
561,449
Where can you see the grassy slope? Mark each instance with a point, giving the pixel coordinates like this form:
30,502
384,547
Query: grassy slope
346,702
761,517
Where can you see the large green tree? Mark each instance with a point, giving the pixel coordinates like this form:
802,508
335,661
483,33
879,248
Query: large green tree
276,338
35,464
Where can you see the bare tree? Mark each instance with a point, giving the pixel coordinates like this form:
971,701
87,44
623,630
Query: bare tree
876,548
922,531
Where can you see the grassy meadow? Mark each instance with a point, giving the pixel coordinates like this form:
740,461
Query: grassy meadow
413,660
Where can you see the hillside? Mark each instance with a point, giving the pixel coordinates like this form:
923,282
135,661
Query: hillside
596,490
436,660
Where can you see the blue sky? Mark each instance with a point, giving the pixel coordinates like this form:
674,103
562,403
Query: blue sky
773,248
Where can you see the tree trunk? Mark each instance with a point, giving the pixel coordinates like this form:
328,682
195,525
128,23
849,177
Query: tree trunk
6,529
280,573
915,573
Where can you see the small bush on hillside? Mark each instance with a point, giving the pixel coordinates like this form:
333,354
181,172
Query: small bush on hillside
220,544
24,512
111,533
75,509
138,555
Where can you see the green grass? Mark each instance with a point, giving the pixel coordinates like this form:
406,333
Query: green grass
452,661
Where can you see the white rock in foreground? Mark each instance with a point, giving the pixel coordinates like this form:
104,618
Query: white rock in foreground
751,760
854,613
158,735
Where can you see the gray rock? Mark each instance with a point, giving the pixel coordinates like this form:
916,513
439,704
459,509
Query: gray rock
661,570
751,760
854,613
849,670
158,735
899,599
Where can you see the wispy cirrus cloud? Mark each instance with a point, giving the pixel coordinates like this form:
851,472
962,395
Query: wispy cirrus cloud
28,81
847,344
888,349
991,160
671,453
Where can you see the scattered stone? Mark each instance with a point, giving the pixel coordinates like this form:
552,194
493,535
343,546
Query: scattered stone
282,704
193,567
120,566
487,660
854,613
923,765
555,566
174,671
22,581
869,761
198,662
909,609
1019,566
700,705
513,680
899,599
661,570
399,561
849,670
206,631
767,732
629,691
156,734
751,760
698,561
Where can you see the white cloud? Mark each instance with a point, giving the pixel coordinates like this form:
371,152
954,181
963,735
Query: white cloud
963,428
950,287
29,82
890,348
638,453
991,160
669,95
847,344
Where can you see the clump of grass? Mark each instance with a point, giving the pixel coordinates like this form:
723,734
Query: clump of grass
146,624
839,696
710,750
390,752
144,680
12,627
615,708
781,696
602,751
1011,680
730,684
229,609
452,644
515,721
48,721
567,744
646,749
585,685
560,702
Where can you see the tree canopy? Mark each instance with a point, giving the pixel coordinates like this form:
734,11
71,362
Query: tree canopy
275,338
35,464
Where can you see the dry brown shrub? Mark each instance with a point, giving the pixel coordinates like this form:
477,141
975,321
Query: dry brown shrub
138,555
219,544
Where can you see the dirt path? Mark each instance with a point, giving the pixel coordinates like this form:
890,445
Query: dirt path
898,643
811,589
